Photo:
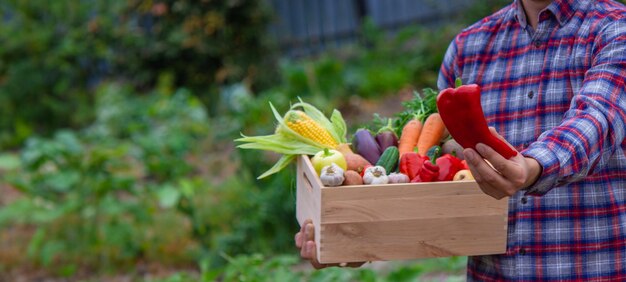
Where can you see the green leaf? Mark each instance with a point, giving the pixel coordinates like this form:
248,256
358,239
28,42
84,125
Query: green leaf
16,212
69,141
278,166
63,181
187,189
277,143
9,162
168,196
36,242
339,126
49,250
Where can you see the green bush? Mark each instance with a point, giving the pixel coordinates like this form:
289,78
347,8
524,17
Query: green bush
94,194
50,56
258,268
201,44
97,192
53,55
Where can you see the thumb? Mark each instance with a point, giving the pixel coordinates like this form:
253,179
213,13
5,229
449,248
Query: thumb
495,133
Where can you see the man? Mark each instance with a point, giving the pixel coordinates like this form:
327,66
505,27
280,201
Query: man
552,77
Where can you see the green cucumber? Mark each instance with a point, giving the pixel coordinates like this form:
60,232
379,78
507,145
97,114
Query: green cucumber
389,159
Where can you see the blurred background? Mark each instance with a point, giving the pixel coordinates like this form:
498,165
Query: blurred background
117,121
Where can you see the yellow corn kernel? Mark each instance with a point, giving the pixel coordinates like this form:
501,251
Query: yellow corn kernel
304,125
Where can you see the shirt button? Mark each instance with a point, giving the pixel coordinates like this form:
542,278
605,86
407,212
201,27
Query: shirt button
537,44
524,200
531,94
522,251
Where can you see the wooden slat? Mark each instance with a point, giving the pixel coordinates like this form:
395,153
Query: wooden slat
410,239
384,209
408,190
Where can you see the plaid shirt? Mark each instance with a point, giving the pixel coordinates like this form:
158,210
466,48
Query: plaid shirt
557,93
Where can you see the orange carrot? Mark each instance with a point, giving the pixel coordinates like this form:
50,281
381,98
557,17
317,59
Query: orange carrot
431,133
409,136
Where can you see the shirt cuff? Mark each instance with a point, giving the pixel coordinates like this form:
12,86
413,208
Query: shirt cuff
550,172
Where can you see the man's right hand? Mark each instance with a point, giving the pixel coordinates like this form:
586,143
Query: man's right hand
305,241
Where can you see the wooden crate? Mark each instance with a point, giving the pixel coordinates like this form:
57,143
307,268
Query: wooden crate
399,221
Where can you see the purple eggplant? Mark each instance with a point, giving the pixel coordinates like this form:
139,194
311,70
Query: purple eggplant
386,137
364,144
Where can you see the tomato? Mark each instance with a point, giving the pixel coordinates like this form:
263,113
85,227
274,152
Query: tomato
327,157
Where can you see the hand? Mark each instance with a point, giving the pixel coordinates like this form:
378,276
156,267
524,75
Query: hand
501,177
305,241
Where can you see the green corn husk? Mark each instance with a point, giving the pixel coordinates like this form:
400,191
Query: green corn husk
289,143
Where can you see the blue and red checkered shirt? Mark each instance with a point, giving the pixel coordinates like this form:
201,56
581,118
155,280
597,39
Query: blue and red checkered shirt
557,93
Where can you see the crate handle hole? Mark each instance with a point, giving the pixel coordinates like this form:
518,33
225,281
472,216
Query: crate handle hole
307,183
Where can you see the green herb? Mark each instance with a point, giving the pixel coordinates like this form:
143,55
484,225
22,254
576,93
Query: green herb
420,107
378,122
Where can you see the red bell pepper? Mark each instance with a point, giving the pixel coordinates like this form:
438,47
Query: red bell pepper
411,164
463,116
364,169
428,173
430,170
464,164
448,165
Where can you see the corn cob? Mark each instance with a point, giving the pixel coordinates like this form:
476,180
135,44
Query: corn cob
304,125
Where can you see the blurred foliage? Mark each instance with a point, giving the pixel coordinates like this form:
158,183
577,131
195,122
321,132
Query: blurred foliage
93,194
486,7
129,109
49,57
409,58
54,53
260,268
202,44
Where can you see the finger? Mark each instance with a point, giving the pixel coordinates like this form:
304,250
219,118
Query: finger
298,240
486,176
483,174
307,239
497,161
311,252
491,191
494,132
303,252
487,187
300,237
511,169
309,232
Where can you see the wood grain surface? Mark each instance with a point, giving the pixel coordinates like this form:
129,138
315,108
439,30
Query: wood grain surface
400,221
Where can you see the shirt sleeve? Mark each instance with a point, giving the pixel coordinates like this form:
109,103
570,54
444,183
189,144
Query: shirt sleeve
593,127
449,67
